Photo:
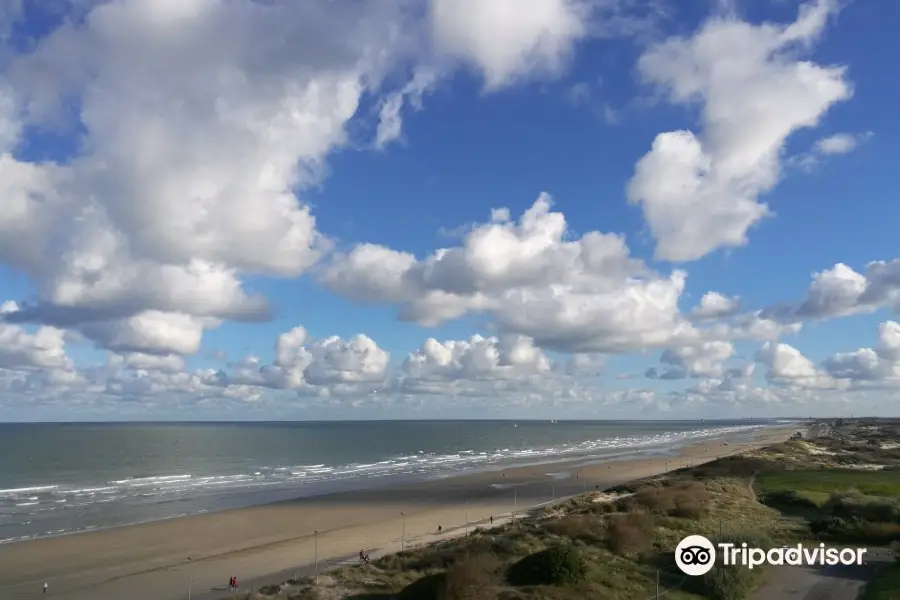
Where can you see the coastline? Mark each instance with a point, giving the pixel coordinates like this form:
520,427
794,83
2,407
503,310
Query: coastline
156,560
112,511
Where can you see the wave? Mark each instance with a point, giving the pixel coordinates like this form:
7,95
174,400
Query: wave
18,503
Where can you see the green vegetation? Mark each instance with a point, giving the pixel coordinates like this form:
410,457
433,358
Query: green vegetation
560,565
825,481
885,585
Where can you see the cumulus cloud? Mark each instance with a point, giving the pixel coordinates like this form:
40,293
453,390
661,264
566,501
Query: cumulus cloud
585,295
700,193
20,350
788,367
510,39
200,127
703,360
201,121
871,367
714,305
842,291
840,143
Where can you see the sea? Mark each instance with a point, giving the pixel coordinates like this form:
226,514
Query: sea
58,479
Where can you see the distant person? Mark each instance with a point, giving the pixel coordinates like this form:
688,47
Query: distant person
492,519
440,529
45,587
234,579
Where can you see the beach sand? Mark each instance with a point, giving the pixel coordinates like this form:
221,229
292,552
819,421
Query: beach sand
156,561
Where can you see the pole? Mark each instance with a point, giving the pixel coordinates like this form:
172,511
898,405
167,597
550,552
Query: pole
190,582
403,532
316,555
657,584
553,491
467,518
515,502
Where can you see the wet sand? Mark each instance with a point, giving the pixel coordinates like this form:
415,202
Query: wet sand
156,561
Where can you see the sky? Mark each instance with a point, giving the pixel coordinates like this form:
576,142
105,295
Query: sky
269,209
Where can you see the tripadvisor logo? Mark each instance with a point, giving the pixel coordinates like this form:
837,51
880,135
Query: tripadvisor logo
696,555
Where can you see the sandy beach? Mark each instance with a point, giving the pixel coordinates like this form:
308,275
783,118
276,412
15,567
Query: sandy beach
156,561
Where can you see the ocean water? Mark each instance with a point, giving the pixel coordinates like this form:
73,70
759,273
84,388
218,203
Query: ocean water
57,479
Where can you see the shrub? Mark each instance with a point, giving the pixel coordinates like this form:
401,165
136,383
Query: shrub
854,504
429,587
269,590
688,510
788,499
877,533
552,566
630,533
468,578
576,527
895,550
307,594
727,583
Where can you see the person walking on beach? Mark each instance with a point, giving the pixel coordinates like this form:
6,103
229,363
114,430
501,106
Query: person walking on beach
45,587
492,519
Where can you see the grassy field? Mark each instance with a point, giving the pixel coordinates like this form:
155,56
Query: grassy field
820,483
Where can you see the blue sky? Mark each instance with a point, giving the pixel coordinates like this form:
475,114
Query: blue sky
249,226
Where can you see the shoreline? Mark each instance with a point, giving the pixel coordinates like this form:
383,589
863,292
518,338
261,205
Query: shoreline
626,452
156,560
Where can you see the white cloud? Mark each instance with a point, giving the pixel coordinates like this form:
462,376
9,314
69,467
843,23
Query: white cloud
478,359
833,145
510,39
20,350
701,193
839,143
871,367
201,126
200,120
703,360
584,295
788,367
842,291
714,305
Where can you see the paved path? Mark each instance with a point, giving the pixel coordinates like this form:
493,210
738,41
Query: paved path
822,583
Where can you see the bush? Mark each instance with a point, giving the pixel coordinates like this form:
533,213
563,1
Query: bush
685,499
854,504
728,583
269,590
688,510
468,578
577,527
551,566
788,499
429,587
630,533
